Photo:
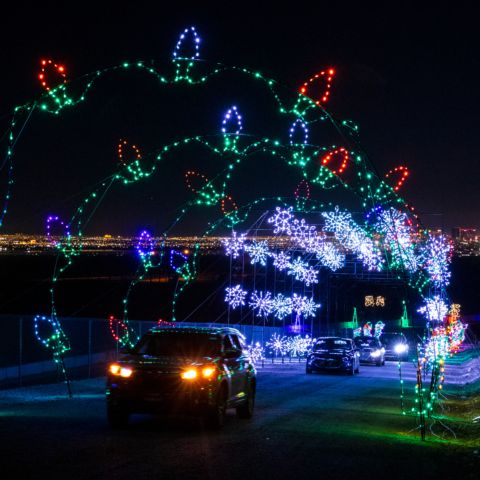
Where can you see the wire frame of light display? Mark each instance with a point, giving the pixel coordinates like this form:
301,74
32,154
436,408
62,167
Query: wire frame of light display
313,162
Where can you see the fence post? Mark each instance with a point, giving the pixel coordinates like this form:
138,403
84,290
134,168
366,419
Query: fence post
89,347
20,349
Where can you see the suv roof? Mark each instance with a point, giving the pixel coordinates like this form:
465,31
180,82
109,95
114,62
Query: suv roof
190,329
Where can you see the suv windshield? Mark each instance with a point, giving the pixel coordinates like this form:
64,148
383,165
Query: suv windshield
366,342
389,339
332,344
174,343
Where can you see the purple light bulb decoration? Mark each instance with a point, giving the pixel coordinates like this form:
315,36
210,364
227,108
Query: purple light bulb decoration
298,123
177,53
228,118
51,220
145,245
175,262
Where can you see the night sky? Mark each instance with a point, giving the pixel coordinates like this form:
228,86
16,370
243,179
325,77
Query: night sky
409,78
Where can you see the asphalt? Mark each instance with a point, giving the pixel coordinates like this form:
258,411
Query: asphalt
322,426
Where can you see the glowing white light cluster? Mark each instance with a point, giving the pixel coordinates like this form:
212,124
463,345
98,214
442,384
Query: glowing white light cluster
352,237
235,296
306,237
281,260
278,344
436,253
258,252
256,352
434,309
282,306
304,306
393,224
234,245
436,347
302,272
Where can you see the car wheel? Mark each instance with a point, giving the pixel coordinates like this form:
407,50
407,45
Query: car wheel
378,364
117,416
383,363
216,414
352,370
308,370
246,410
358,368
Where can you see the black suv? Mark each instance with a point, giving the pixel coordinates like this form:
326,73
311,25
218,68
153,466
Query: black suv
334,353
186,370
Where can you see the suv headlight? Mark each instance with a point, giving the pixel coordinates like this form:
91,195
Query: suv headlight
400,348
376,353
120,371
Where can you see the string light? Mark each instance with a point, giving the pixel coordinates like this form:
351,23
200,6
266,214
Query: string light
402,172
58,69
326,76
177,53
136,155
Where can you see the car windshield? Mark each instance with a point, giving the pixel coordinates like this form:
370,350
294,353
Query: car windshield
362,342
392,339
174,343
332,344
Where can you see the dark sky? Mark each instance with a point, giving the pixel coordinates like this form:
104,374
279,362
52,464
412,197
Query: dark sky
407,75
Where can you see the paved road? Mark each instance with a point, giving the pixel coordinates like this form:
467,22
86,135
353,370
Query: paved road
320,426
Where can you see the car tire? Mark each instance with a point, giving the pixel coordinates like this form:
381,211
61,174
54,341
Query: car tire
246,409
358,369
378,364
216,413
383,363
308,371
117,416
352,370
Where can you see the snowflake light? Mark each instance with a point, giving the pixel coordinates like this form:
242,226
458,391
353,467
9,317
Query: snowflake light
281,261
434,309
282,306
235,296
278,344
282,220
233,246
262,302
436,254
258,252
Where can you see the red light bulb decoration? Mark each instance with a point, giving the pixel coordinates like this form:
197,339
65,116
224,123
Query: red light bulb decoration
164,323
334,153
228,205
121,153
302,190
326,76
195,181
401,172
58,69
118,329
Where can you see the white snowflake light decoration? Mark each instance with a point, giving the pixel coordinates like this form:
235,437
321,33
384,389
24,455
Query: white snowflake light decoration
234,245
282,306
434,309
278,344
235,296
258,252
281,261
262,302
282,220
436,254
